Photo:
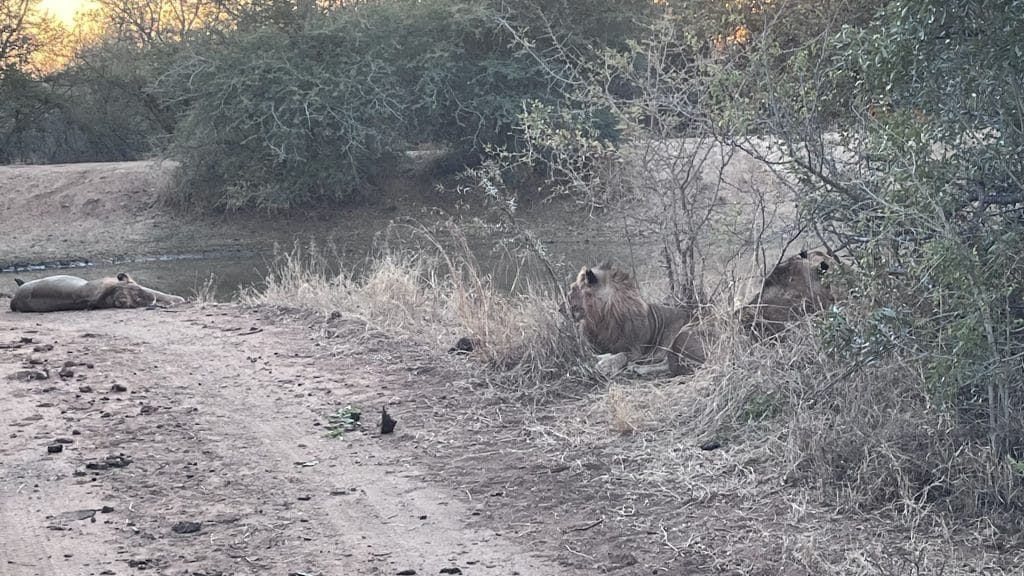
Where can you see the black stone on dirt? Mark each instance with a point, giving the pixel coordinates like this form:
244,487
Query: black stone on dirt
387,423
451,571
29,375
465,345
186,527
118,388
409,572
711,445
112,461
55,448
66,372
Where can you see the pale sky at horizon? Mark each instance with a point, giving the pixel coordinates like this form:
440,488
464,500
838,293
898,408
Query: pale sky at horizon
63,9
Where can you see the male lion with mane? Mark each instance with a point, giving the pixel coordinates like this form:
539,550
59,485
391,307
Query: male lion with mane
616,321
792,291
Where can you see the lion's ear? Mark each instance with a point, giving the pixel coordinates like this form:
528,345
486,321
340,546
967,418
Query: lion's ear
591,277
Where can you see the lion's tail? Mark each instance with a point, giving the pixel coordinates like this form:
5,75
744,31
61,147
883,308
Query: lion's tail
19,281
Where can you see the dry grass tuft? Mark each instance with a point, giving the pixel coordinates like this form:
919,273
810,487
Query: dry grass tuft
204,294
434,297
869,440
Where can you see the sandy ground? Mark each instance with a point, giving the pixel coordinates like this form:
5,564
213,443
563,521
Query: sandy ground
115,211
212,420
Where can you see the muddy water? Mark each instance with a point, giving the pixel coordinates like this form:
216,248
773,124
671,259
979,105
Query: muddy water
223,275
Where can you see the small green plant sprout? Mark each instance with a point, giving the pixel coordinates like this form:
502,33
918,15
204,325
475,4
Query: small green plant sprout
343,420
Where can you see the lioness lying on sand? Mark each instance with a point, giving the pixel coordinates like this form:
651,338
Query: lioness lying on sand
62,292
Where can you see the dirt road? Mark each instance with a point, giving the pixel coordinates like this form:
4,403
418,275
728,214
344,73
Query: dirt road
192,443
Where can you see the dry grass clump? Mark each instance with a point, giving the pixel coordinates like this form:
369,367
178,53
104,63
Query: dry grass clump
434,297
869,439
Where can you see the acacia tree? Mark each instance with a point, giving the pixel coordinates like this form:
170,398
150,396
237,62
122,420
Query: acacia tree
17,42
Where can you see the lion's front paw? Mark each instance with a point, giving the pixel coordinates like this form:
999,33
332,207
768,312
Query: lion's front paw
610,364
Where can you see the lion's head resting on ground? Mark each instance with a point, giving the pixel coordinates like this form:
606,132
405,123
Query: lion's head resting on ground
126,293
791,291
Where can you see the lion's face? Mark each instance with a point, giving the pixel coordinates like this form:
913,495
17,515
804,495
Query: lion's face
130,295
818,261
792,290
591,285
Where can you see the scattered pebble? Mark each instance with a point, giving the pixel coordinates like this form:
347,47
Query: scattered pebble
63,440
66,372
186,527
55,448
112,461
85,388
118,388
409,572
29,375
451,571
86,514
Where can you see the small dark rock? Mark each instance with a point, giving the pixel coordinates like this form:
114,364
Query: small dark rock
147,409
186,527
42,348
69,364
90,365
451,571
87,514
711,445
112,461
76,432
85,388
63,440
35,361
305,498
118,388
106,509
66,372
465,345
55,448
387,423
29,375
26,340
409,572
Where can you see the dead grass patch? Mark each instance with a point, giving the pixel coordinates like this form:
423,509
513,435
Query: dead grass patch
435,297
